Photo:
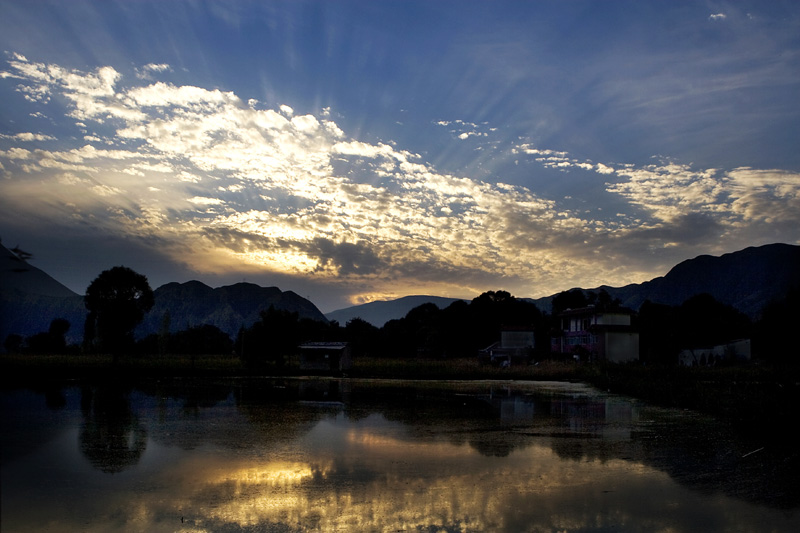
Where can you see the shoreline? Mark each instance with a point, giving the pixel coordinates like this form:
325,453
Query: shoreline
755,398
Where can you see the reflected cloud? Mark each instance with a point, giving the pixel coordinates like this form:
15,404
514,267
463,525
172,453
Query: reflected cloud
334,455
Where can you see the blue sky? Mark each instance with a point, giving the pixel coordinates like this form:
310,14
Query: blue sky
353,151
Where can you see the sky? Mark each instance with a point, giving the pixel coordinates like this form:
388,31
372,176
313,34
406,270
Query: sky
353,151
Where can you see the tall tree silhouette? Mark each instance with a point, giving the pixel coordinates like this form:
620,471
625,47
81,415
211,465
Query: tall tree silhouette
117,301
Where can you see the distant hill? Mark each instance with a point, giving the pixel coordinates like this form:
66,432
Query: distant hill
747,280
30,299
17,275
379,313
193,304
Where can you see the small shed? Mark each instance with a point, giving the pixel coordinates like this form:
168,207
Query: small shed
515,347
325,356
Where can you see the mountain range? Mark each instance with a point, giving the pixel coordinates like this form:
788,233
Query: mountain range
229,307
30,298
747,280
380,312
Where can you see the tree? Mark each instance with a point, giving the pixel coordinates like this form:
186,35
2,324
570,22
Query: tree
572,299
704,321
603,301
659,333
51,342
460,329
772,337
163,334
199,340
270,339
13,343
117,301
362,336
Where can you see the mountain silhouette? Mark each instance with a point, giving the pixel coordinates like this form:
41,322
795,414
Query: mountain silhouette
17,275
380,312
747,280
194,303
30,298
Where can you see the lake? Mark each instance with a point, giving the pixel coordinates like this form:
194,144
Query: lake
287,455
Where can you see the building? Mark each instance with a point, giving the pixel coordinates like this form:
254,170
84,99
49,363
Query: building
332,357
515,347
593,334
734,351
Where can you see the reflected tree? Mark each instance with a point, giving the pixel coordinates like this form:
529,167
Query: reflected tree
111,437
54,397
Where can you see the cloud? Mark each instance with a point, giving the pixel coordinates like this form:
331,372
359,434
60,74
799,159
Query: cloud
603,169
344,258
717,16
202,200
766,196
225,186
463,130
28,137
147,71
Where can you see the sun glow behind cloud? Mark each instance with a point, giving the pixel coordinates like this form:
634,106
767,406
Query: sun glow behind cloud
226,185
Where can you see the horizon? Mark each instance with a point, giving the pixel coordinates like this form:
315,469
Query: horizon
310,298
353,152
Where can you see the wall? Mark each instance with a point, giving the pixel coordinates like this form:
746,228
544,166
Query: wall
621,347
614,319
516,339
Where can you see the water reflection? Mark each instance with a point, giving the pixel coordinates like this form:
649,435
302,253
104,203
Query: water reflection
338,455
111,437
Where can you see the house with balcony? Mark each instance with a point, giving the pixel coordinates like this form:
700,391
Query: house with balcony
595,334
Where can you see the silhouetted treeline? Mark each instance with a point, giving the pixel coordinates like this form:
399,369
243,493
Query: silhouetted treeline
52,341
578,298
773,334
460,329
701,321
277,334
196,340
463,328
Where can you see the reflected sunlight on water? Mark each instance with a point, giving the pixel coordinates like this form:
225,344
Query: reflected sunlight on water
394,466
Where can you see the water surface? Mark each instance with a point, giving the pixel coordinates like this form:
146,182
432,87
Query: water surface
359,455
